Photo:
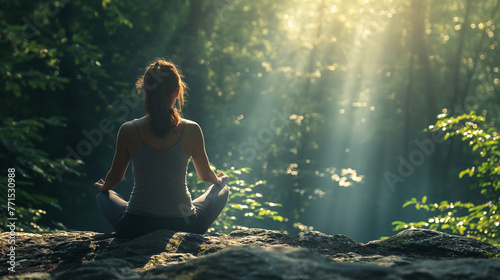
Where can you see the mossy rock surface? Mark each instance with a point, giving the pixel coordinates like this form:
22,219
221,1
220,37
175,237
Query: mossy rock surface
251,254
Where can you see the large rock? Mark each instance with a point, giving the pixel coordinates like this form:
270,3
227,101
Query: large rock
250,254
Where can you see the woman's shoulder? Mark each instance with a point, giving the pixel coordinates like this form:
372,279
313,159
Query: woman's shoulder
193,129
128,127
135,122
190,124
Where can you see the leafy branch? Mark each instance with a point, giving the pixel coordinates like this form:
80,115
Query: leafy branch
479,221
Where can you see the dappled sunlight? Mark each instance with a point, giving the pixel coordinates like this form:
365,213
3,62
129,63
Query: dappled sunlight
345,175
326,114
324,99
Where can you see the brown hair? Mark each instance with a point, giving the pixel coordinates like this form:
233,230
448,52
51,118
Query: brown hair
160,81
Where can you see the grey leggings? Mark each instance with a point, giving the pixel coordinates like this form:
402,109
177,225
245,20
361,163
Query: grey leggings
208,207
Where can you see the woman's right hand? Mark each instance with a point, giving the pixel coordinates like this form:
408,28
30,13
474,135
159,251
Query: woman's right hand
221,178
99,184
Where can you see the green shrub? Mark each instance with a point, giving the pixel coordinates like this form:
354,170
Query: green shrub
480,221
246,207
19,141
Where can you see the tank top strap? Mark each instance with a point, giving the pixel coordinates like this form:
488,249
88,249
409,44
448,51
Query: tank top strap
183,131
136,132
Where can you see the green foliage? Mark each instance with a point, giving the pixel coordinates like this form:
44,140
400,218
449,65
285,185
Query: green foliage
56,56
246,205
482,220
298,90
19,141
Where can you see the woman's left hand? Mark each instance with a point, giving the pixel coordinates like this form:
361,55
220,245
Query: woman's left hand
221,178
99,184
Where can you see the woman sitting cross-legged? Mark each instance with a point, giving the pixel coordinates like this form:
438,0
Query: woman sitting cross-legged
160,145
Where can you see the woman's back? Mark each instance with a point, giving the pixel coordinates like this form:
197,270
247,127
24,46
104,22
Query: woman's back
160,169
152,140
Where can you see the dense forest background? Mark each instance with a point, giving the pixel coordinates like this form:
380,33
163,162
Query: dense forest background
325,102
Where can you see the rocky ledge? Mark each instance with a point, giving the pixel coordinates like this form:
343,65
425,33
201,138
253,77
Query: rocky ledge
249,254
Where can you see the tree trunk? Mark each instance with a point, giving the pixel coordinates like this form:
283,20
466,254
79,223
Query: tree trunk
472,70
456,75
186,42
302,152
421,50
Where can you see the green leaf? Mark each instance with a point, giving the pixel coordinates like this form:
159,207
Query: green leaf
278,218
410,202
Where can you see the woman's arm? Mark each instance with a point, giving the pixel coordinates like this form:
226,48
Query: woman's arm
120,161
200,159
